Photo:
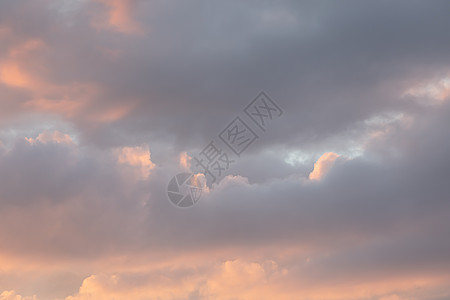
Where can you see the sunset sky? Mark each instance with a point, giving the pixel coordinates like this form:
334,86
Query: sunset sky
345,195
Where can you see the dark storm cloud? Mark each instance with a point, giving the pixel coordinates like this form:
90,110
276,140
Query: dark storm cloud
330,65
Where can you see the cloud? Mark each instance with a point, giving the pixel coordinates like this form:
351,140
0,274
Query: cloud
133,286
12,75
434,91
61,179
138,157
95,113
239,279
119,17
230,279
323,165
185,161
11,295
51,137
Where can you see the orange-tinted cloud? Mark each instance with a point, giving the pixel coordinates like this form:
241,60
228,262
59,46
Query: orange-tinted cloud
431,91
51,137
185,161
110,114
119,17
12,295
11,74
65,107
323,165
22,68
138,157
242,279
12,67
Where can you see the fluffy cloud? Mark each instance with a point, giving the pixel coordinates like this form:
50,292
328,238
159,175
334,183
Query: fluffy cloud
138,157
51,137
100,98
323,165
11,295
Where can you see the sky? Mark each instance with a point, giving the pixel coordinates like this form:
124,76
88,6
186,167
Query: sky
345,194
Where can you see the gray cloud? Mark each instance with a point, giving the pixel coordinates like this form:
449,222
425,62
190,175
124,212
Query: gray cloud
332,67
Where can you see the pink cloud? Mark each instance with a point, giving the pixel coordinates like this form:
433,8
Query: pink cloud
138,157
11,295
323,165
118,17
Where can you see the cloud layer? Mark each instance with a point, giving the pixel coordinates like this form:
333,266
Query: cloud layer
345,196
